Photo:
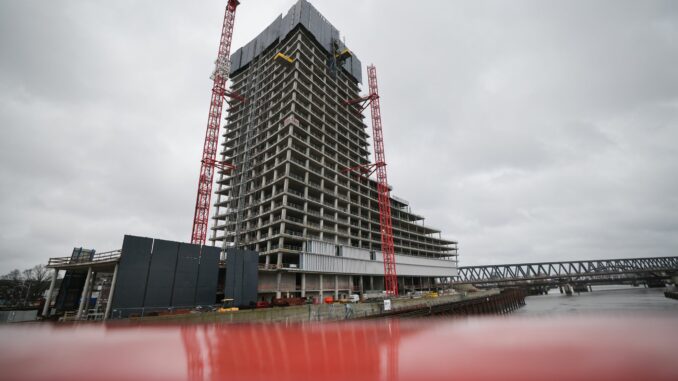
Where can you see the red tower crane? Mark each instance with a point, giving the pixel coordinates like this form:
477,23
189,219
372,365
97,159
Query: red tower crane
379,166
209,153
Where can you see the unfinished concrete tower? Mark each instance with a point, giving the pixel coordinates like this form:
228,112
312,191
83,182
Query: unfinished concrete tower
315,225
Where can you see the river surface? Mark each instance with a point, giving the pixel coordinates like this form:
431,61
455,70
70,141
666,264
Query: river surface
617,300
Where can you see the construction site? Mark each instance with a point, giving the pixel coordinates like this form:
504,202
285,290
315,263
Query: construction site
302,208
300,260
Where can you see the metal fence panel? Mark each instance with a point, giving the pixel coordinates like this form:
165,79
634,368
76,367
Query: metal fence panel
186,275
208,276
70,290
241,277
250,277
132,274
161,273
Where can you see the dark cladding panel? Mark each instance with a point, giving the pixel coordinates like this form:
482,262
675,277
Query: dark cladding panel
356,69
327,35
132,273
334,34
268,36
229,282
286,24
248,52
186,275
296,12
250,277
161,274
208,275
235,60
241,276
305,16
315,26
238,278
70,290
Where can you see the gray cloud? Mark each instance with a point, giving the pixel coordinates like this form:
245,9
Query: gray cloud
528,130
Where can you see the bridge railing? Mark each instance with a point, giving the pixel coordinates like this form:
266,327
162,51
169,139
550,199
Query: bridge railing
96,258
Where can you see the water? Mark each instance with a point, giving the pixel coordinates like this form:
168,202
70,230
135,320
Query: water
617,300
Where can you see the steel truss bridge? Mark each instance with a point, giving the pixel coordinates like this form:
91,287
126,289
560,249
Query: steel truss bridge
593,271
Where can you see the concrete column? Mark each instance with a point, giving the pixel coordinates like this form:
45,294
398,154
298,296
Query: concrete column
90,289
321,287
336,287
109,303
277,285
48,301
83,296
362,289
279,260
268,259
371,283
303,285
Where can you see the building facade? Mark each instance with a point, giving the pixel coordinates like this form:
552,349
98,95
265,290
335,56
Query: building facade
291,197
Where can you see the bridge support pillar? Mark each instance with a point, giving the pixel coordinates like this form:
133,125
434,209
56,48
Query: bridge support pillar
84,296
109,301
48,300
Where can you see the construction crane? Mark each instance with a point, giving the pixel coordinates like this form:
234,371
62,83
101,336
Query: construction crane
379,166
209,153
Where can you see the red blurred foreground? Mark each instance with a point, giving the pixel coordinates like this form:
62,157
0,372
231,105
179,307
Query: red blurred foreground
475,349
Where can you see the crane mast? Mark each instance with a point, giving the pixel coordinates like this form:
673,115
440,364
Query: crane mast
379,166
390,276
209,153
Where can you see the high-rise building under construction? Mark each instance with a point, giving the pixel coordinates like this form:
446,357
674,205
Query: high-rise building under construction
292,138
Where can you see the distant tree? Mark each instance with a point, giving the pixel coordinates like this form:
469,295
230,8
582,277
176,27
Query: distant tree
14,275
10,288
23,288
39,279
27,275
40,273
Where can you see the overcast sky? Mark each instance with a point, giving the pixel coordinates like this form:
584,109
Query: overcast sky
526,130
